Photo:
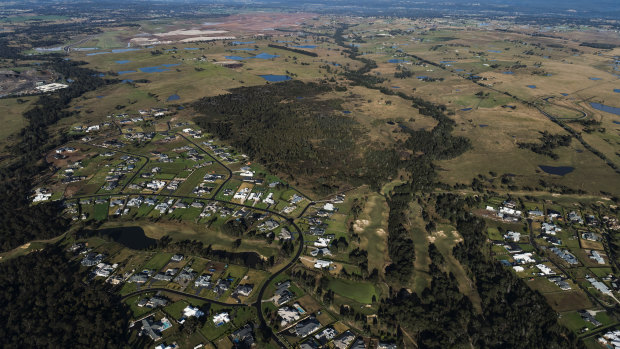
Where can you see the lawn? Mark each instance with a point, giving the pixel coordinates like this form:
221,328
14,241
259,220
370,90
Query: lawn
101,212
158,261
361,292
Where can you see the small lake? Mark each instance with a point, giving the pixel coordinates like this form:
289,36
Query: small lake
617,90
191,48
122,72
507,72
495,51
605,108
98,53
305,46
444,62
130,237
153,70
393,60
236,58
265,56
595,79
242,42
126,81
275,78
564,94
174,97
122,62
466,109
243,49
531,86
121,50
557,170
483,125
395,86
421,77
616,122
346,112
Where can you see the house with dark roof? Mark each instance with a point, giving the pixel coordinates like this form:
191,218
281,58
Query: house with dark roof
307,326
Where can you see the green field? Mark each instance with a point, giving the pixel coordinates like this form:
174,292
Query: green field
361,292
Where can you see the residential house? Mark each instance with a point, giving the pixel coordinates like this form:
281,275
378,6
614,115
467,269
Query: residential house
243,337
153,329
287,316
307,326
221,319
203,281
244,290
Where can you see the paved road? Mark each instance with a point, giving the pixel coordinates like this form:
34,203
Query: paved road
185,294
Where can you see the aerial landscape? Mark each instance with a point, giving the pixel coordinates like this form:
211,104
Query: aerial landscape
294,174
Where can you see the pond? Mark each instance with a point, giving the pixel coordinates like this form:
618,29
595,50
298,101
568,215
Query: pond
495,51
265,56
191,48
126,72
153,69
242,42
346,112
169,65
243,49
466,109
595,79
236,58
507,72
605,108
275,78
395,86
131,237
531,86
126,81
174,97
98,53
483,125
393,60
616,122
122,62
557,170
305,46
459,69
617,90
121,50
444,62
564,94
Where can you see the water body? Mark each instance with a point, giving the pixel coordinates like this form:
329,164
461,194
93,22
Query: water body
174,97
507,72
305,46
236,58
130,237
459,69
265,56
605,108
616,122
121,50
84,49
100,97
495,51
169,65
153,69
122,72
595,79
421,77
617,90
346,112
444,62
126,81
564,94
122,62
393,60
531,86
483,125
395,86
191,48
242,42
557,170
275,78
243,49
466,109
98,53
